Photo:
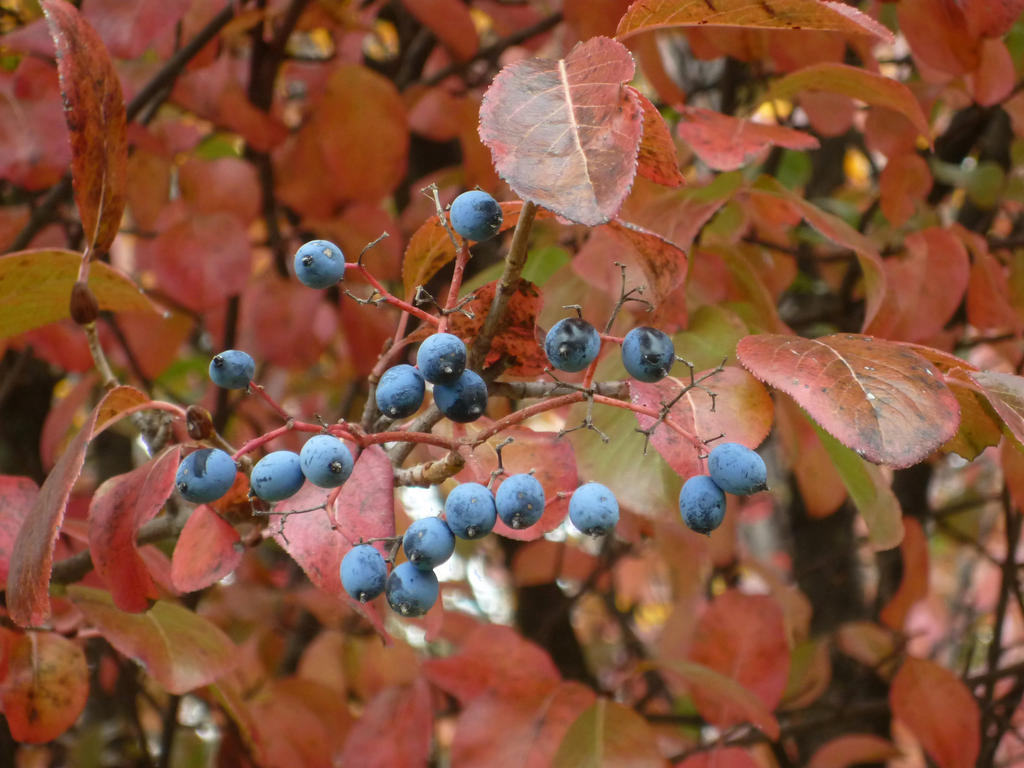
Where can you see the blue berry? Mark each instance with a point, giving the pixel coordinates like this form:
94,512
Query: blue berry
469,510
441,358
205,475
400,391
319,264
232,369
476,215
702,504
326,461
593,509
520,501
737,469
572,344
410,591
428,543
648,354
277,476
363,572
463,401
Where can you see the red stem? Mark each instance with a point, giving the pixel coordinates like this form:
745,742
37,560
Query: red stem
453,291
391,299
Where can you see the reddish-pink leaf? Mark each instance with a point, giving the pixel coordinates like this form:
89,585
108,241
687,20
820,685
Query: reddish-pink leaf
225,185
988,294
822,15
118,509
178,648
936,31
543,562
35,287
394,730
610,735
914,584
905,182
207,550
532,727
36,147
743,413
744,638
46,686
725,757
657,159
494,659
664,263
995,76
939,710
853,749
726,143
916,305
821,487
991,18
17,497
365,508
565,133
451,23
721,694
1005,393
129,35
96,118
310,537
117,404
878,398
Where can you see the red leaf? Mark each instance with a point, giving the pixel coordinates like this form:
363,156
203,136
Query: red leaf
905,181
995,76
916,306
451,23
17,497
726,143
744,638
610,735
46,686
494,659
310,538
724,757
118,509
878,398
207,550
935,30
823,15
129,35
36,287
1005,392
36,148
657,159
394,730
914,584
939,710
565,133
178,648
224,185
286,324
543,562
991,18
365,508
96,119
720,693
743,414
853,749
663,262
531,730
821,488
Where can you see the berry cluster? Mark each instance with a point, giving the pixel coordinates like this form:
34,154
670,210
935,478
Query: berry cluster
471,509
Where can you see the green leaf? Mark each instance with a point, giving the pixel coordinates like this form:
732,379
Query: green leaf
608,735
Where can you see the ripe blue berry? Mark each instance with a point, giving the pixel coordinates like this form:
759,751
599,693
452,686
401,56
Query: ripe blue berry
400,391
232,369
648,354
702,504
205,475
326,461
737,469
572,344
428,543
464,400
593,509
319,264
441,358
469,510
520,501
410,591
363,572
277,476
476,215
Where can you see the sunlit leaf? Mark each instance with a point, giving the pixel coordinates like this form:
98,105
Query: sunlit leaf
207,550
657,160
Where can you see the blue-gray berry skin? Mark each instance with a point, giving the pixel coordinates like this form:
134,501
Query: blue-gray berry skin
464,400
648,354
428,543
363,572
572,344
205,475
702,504
277,476
326,461
593,509
737,469
410,591
476,215
319,264
470,511
232,369
441,358
400,391
520,501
